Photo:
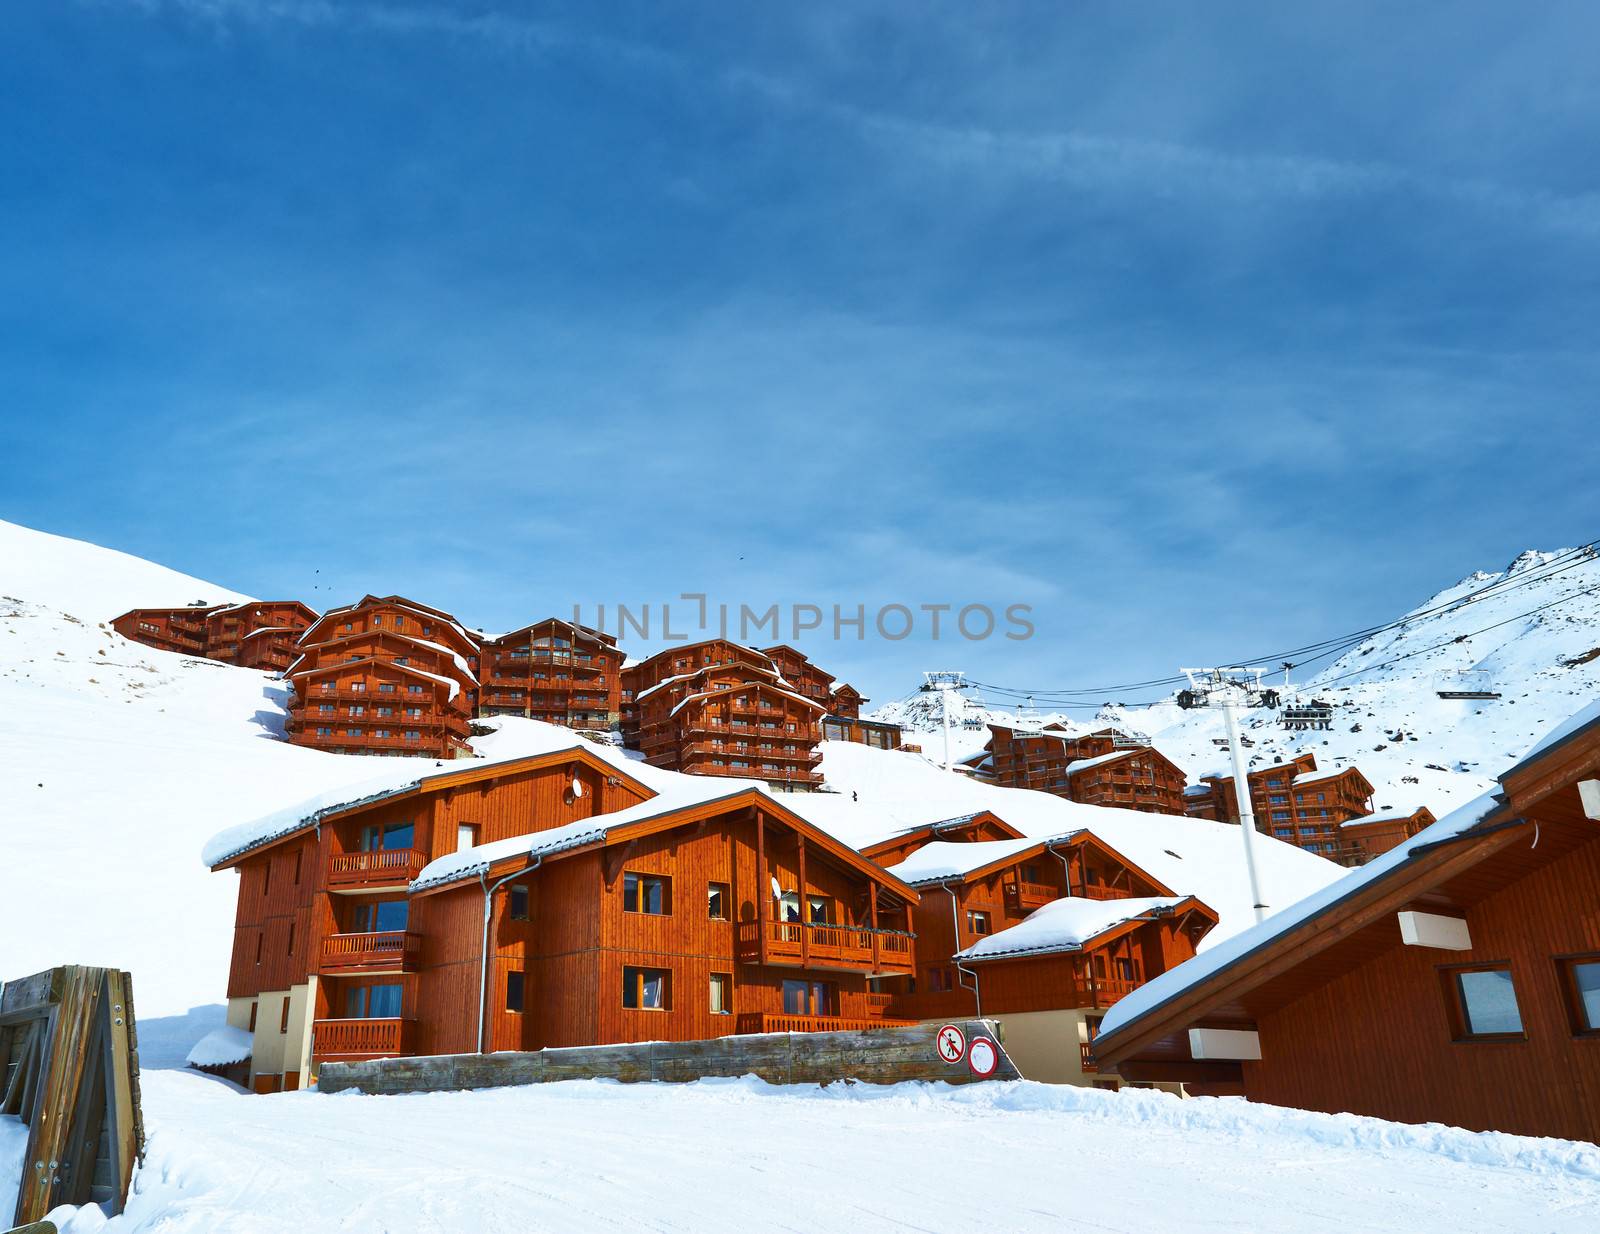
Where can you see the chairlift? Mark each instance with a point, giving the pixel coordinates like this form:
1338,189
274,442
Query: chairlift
1467,683
1302,716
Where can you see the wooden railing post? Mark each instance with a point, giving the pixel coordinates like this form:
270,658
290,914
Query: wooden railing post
763,894
805,909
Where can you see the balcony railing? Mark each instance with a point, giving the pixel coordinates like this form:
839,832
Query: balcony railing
384,951
361,1038
382,868
766,1022
1029,895
853,946
1099,891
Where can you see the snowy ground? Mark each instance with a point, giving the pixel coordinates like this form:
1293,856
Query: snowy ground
743,1155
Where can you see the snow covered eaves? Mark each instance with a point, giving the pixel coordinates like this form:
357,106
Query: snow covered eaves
1070,924
1235,949
378,661
941,861
476,862
754,685
234,842
1326,774
1389,816
1073,768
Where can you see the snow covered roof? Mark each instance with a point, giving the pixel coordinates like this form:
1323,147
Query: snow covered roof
943,860
1224,954
1077,765
1328,773
1567,728
235,841
1066,925
221,1047
751,685
1389,816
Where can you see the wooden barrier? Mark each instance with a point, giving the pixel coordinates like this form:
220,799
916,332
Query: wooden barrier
880,1056
69,1069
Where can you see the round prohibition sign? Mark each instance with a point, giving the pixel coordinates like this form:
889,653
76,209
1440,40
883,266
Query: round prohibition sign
951,1043
982,1057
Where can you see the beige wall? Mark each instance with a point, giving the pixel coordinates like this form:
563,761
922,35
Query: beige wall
274,1051
1046,1046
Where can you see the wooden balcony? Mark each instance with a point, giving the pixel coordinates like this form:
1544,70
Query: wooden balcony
765,1022
1029,896
792,943
1099,891
347,1039
390,951
390,867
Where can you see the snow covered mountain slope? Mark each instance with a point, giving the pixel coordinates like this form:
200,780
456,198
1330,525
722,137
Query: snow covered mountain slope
117,761
1532,634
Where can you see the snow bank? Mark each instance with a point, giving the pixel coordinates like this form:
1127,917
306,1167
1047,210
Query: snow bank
1064,925
732,1155
1175,980
220,1047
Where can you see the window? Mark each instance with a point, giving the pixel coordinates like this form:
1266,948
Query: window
977,923
283,1020
721,994
466,836
352,732
644,989
380,917
413,689
717,901
356,709
809,998
514,990
938,979
372,1002
1485,1002
386,687
252,1017
519,901
386,836
1582,975
324,732
266,876
289,950
821,909
325,708
644,893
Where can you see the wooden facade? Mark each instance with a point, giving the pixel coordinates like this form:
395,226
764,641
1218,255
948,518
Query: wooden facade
703,918
554,671
169,629
1456,980
1105,768
1292,801
1371,835
259,634
385,675
1003,881
878,734
719,708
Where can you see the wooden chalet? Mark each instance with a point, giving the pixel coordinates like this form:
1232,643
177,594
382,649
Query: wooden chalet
555,671
260,634
1370,835
1105,768
168,629
879,734
385,675
846,702
801,675
1455,979
614,914
719,708
1043,934
1292,801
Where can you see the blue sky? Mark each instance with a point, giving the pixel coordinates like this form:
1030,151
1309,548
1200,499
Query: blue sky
1205,330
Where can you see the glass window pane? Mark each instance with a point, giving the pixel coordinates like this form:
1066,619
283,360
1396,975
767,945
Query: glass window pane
1489,1001
652,895
1586,977
355,1002
385,1004
630,893
630,987
398,835
652,988
795,997
391,915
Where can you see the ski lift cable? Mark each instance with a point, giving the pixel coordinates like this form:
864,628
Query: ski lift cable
1310,652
